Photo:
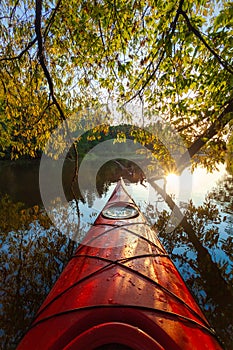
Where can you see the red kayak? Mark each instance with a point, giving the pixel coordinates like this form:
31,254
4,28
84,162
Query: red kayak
120,291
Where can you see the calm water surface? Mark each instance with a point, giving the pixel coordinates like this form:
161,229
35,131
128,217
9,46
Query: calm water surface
35,249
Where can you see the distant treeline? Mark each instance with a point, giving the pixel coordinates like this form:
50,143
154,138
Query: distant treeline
119,133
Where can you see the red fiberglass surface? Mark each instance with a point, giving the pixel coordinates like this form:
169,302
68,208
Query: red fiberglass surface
120,288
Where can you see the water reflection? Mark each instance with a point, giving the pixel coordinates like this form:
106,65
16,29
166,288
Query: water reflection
204,262
33,255
34,252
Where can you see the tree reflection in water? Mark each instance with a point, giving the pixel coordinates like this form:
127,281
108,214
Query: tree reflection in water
206,263
34,253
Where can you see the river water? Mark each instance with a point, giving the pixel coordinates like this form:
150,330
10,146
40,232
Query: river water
37,243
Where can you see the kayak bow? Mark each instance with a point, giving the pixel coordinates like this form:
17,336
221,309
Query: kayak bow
120,290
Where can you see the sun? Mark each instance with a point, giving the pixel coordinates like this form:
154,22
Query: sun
172,178
172,183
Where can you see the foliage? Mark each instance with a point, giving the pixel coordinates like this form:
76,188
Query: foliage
58,58
156,138
229,155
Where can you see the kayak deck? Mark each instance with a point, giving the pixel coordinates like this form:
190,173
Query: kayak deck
120,287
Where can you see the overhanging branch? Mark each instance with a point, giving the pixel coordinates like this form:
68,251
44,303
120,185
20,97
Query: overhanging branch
42,58
169,35
224,118
200,37
42,62
50,21
21,53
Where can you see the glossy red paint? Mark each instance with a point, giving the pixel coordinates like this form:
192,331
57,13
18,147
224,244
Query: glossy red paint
120,287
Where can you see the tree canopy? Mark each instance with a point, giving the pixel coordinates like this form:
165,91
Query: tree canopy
58,57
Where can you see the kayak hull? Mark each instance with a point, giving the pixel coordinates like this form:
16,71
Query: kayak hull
120,287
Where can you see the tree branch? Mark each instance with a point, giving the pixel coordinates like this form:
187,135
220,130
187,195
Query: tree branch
170,33
205,263
52,18
101,35
21,53
42,58
14,9
223,119
51,89
200,37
